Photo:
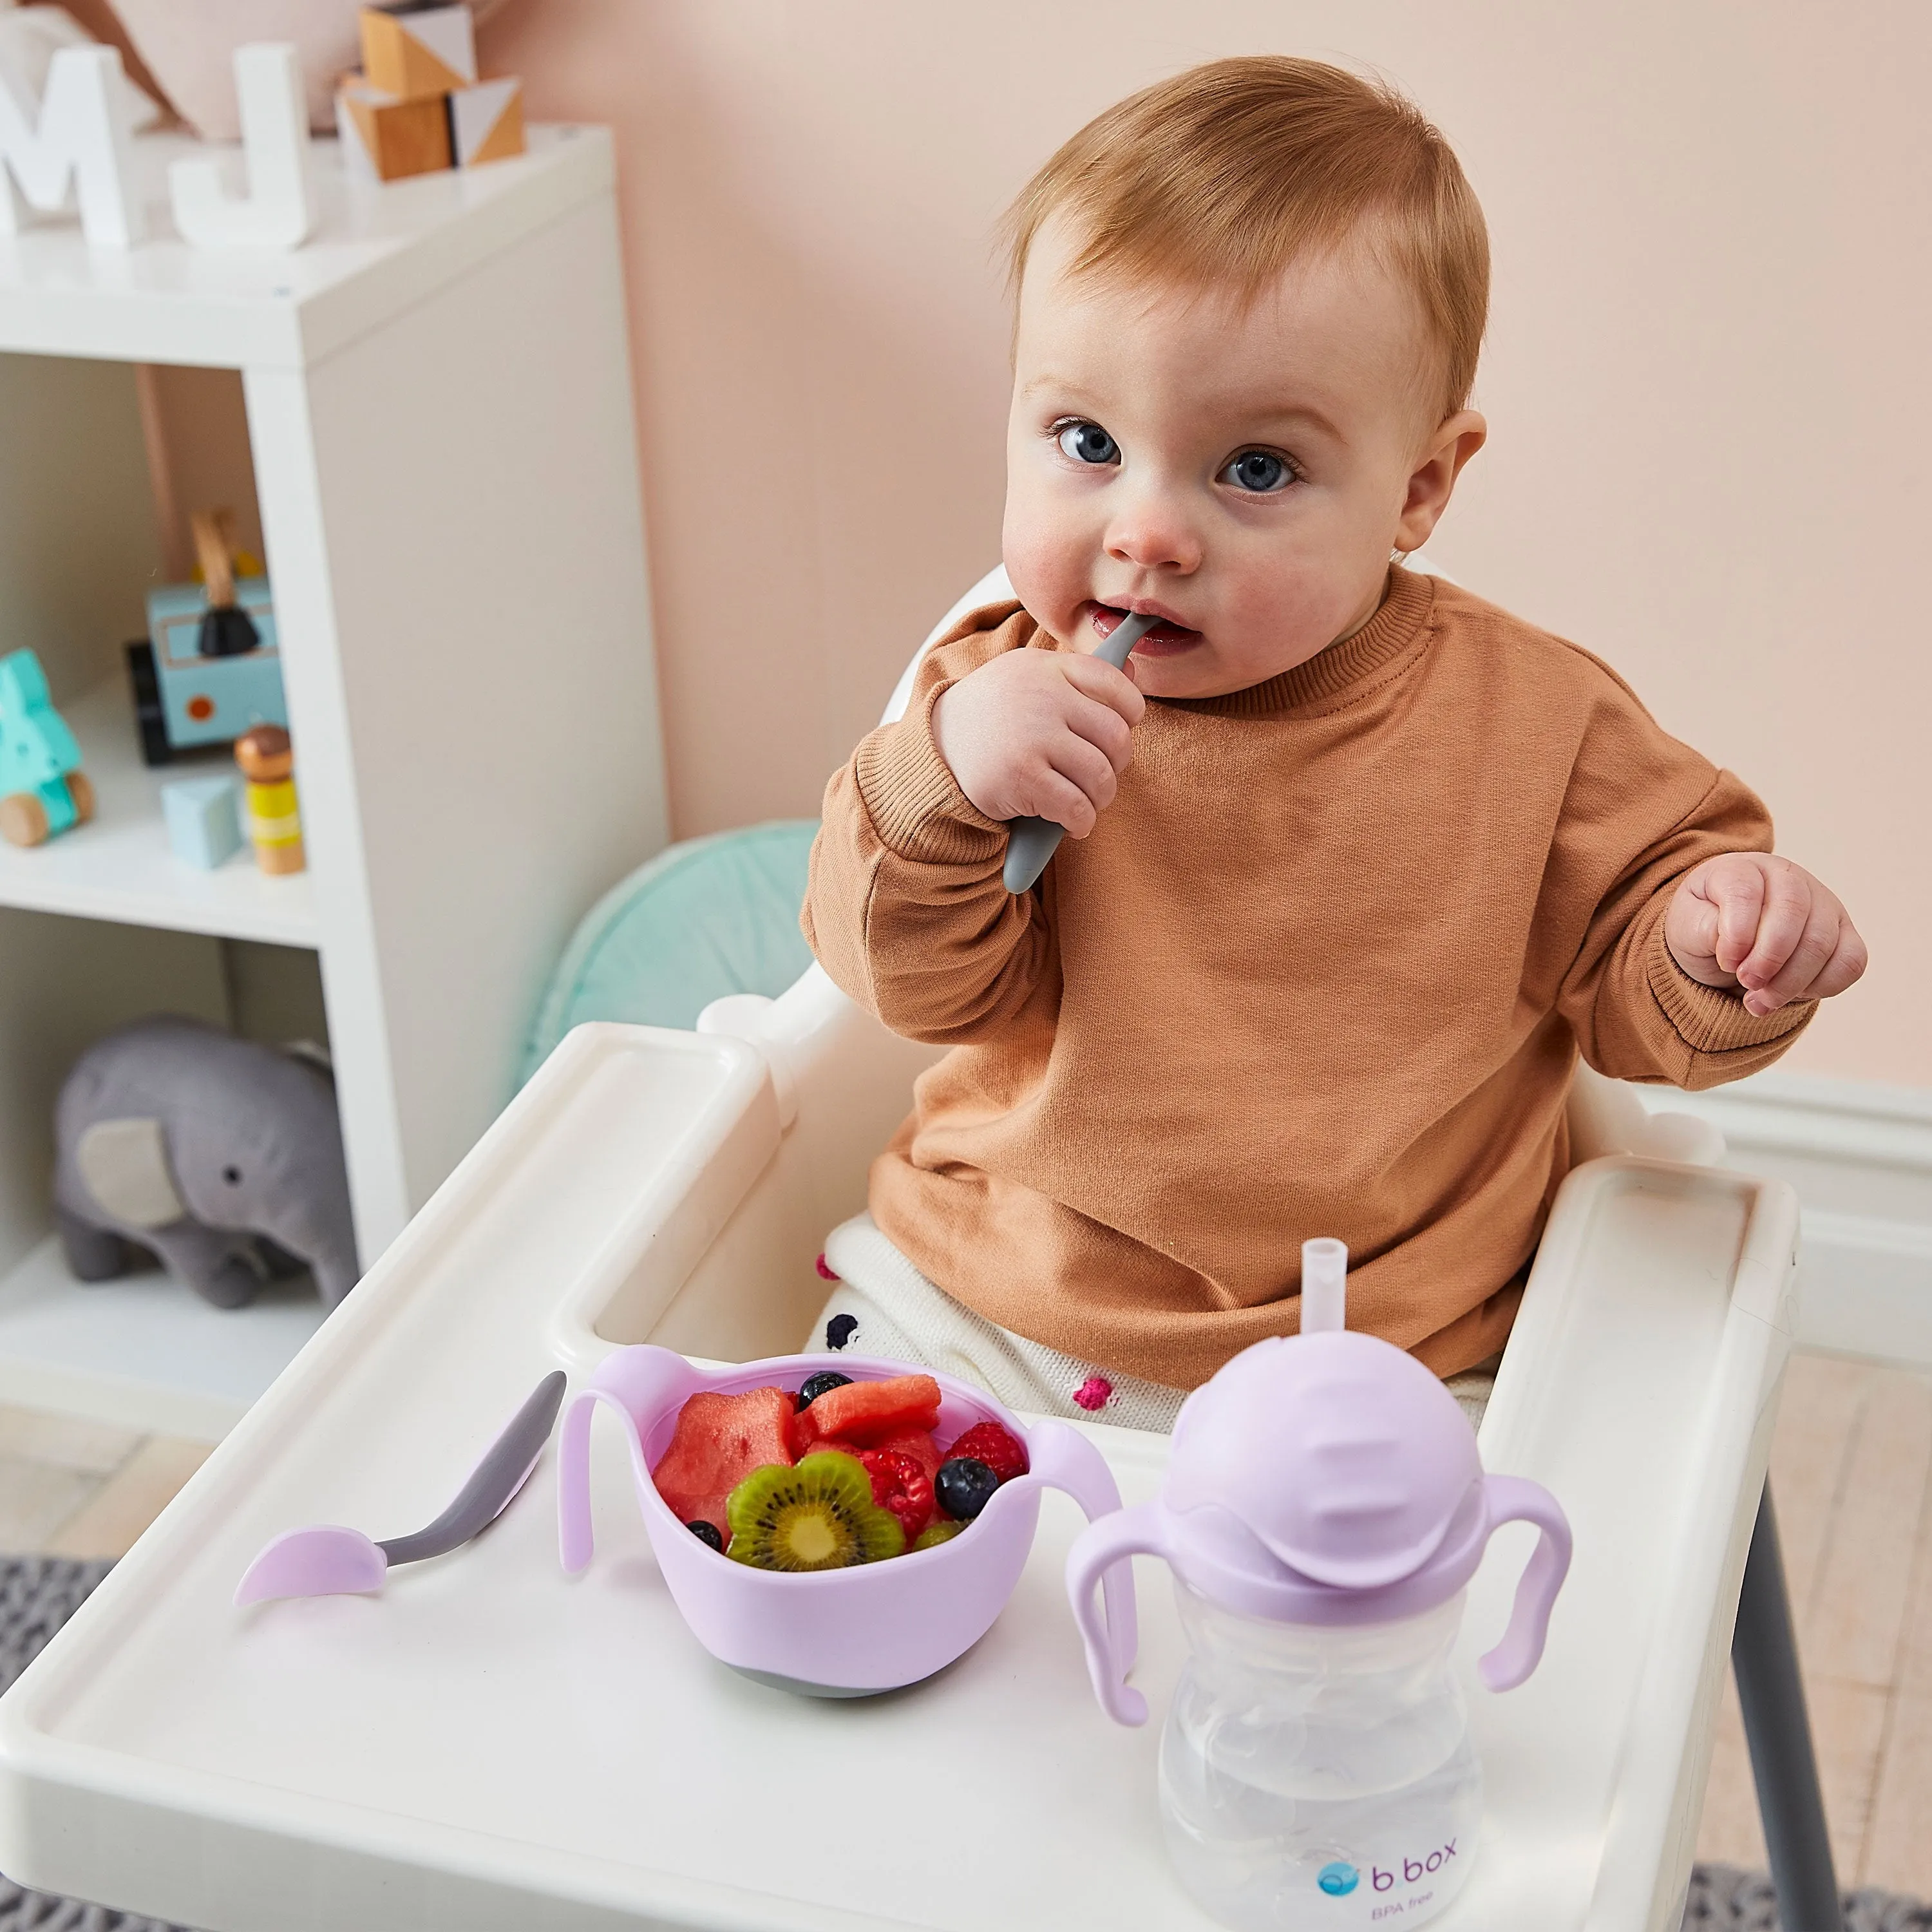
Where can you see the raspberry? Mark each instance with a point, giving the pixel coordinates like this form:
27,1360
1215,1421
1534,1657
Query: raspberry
998,1448
1096,1392
900,1485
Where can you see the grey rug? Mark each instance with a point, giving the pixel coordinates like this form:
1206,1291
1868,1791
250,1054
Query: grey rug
1722,1899
38,1593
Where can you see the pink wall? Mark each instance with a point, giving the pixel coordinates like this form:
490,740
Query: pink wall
1706,377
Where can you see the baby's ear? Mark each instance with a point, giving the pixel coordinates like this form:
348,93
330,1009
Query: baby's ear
1432,482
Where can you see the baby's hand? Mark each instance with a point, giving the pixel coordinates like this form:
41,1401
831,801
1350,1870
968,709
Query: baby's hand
1041,734
1765,927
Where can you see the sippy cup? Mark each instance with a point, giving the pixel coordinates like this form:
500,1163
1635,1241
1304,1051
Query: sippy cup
1323,1509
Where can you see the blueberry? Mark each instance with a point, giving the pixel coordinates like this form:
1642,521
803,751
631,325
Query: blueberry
964,1487
813,1386
707,1532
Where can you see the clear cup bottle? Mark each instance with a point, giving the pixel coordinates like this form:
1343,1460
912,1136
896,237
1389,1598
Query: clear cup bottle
1324,1509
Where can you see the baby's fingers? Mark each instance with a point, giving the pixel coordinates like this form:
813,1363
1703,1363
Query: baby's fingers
1077,786
1793,902
1106,730
1095,678
1828,959
1735,887
1054,796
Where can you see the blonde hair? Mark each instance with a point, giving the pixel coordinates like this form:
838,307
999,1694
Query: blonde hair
1222,176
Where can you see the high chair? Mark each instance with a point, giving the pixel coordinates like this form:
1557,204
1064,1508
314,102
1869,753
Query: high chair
487,1744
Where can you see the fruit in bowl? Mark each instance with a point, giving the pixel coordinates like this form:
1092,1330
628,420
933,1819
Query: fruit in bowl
734,1470
798,1508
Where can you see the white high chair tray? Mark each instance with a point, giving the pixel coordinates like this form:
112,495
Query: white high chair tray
488,1744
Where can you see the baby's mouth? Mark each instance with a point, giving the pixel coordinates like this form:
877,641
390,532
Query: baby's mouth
1165,640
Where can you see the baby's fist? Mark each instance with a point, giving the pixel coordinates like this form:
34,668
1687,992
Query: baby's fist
1764,927
1039,734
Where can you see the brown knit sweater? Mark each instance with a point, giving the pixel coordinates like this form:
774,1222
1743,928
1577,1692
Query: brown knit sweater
1322,968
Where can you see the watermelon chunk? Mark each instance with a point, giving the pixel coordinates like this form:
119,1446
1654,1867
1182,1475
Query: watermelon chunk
865,1413
719,1440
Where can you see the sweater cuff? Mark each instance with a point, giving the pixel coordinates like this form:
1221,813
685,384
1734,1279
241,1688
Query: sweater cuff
914,802
1708,1019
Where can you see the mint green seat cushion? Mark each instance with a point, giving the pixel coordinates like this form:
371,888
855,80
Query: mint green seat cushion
704,918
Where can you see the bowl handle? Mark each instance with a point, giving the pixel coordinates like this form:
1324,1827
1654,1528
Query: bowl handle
1516,1499
638,1383
1066,1460
1099,1555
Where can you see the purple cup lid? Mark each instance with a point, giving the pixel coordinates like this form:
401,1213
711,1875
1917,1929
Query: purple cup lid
1345,1457
1327,1478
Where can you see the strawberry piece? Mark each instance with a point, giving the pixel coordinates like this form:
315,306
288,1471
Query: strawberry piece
999,1449
866,1413
900,1485
719,1440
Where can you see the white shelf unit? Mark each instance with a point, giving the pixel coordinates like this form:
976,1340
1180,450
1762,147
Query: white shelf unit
441,430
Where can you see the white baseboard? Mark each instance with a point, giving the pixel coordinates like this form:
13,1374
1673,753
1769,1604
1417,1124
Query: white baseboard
1860,1155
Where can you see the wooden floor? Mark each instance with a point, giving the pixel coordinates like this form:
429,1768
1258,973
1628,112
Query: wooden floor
1851,1472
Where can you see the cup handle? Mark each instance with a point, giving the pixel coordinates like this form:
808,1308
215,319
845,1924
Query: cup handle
637,1382
1516,1499
1099,1555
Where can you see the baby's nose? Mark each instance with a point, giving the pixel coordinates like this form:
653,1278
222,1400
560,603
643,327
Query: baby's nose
1153,533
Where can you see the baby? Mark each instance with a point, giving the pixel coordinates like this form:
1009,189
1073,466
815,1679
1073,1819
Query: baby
1356,864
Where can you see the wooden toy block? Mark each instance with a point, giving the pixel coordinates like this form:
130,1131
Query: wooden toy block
204,820
387,139
274,825
414,51
486,122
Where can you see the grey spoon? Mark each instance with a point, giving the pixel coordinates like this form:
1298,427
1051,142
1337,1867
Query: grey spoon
325,1560
1030,842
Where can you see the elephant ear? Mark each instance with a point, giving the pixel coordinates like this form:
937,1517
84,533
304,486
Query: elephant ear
125,1164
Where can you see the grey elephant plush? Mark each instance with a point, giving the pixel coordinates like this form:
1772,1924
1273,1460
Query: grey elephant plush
221,1155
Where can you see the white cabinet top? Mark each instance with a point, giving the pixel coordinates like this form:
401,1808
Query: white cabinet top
377,251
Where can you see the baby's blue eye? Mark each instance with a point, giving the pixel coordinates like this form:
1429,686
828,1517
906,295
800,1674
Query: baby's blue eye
1088,442
1259,470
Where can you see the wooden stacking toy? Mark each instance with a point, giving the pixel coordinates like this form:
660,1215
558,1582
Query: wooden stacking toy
417,105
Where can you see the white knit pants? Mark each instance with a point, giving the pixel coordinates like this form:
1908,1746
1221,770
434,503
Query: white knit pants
883,1305
893,1310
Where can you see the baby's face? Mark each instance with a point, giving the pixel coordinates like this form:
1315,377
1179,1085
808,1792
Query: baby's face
1241,472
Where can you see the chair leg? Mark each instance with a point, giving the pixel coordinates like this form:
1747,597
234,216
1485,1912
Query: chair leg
1764,1659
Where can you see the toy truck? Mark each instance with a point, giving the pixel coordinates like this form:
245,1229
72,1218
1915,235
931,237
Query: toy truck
210,667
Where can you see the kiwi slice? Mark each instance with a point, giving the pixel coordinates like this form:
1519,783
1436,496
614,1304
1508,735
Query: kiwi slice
934,1534
817,1516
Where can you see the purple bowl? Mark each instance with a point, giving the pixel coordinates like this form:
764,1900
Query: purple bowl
832,1632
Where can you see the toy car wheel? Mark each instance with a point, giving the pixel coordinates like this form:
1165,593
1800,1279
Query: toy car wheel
23,819
150,717
80,789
